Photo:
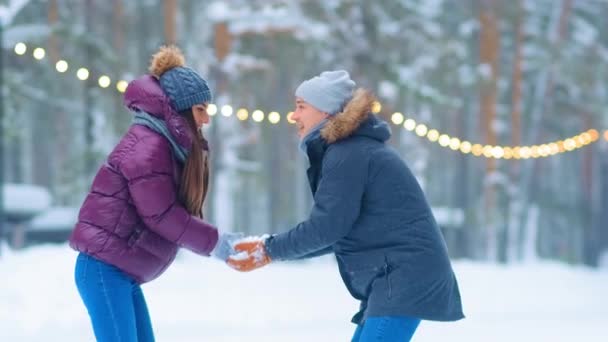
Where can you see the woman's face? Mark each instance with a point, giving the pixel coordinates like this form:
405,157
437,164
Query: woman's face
199,111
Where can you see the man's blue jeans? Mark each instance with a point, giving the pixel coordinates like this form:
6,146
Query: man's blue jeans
115,302
386,329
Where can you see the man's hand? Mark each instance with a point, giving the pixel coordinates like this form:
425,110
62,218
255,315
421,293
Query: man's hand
251,254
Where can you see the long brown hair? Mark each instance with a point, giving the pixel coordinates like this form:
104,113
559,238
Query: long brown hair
195,175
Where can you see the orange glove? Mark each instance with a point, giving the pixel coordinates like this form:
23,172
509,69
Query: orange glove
256,256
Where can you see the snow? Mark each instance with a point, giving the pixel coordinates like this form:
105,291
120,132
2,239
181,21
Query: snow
25,199
448,217
200,299
55,218
9,11
24,33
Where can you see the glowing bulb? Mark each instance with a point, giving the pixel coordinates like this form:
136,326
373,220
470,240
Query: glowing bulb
258,116
226,111
454,144
39,53
525,152
516,152
397,118
274,117
289,119
606,135
534,151
444,140
376,107
487,151
498,152
211,109
465,147
544,150
433,135
477,150
569,144
421,130
508,153
61,66
586,137
82,74
20,49
410,125
242,114
594,134
553,149
121,86
104,81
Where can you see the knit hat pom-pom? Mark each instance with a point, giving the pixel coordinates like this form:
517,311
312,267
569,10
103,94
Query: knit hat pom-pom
167,58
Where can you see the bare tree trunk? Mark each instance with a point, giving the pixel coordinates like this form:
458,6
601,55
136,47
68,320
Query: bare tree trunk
118,25
87,96
170,11
53,18
542,91
589,250
513,239
221,34
489,55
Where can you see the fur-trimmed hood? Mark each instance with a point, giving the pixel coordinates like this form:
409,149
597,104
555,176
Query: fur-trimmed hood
356,118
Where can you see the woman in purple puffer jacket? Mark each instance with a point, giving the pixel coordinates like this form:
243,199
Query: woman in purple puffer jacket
146,200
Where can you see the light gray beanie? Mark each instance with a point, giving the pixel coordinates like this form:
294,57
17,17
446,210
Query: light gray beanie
328,92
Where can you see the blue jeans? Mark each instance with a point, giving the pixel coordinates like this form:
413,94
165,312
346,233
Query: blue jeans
386,329
115,302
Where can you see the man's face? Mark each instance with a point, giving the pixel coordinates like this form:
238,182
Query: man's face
306,117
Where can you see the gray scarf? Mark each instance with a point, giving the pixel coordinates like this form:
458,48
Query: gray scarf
159,126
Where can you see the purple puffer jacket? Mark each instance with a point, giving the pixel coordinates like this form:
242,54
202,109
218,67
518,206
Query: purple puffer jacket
132,218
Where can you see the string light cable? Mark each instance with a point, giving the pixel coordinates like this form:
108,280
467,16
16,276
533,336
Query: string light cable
398,119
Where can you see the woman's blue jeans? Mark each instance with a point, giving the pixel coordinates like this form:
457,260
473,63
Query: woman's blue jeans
115,302
386,329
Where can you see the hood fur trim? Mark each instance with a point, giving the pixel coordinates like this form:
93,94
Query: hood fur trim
345,123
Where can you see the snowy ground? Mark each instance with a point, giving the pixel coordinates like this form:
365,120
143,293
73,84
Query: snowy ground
202,300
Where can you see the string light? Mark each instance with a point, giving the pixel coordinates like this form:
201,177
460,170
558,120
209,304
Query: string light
82,74
444,140
257,116
409,124
465,147
454,144
104,81
477,150
242,114
433,135
274,117
212,109
226,111
39,53
290,119
61,66
376,107
121,86
498,152
20,49
397,118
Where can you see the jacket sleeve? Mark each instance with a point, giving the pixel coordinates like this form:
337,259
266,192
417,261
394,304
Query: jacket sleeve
337,203
148,168
320,252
